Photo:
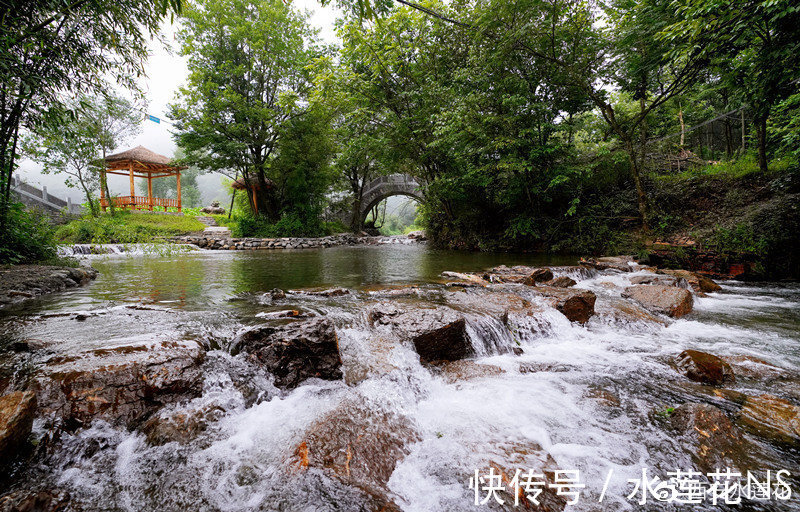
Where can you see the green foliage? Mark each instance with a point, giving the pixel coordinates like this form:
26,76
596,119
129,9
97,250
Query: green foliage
126,227
53,48
28,237
75,148
247,89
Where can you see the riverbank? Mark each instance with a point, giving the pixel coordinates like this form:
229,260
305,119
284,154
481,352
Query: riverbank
22,282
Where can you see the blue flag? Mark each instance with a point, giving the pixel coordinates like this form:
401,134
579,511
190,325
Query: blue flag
154,119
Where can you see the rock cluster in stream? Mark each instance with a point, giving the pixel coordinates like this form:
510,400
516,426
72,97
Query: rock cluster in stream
22,282
136,385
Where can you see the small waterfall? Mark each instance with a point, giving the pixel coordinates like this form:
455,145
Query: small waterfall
88,250
78,250
490,336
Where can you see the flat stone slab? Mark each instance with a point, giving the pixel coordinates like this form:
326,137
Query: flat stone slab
217,231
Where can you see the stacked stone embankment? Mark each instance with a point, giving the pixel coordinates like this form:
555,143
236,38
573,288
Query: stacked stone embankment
210,241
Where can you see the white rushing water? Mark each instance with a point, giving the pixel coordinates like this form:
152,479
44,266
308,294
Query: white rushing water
583,395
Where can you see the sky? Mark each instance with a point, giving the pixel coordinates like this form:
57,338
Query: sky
166,71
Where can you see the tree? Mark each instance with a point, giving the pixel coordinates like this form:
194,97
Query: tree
78,147
757,46
247,82
358,134
50,48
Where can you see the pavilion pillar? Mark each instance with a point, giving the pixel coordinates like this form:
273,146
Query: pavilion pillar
150,190
178,175
133,189
103,178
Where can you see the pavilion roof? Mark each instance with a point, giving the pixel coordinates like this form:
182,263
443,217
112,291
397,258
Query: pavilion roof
142,160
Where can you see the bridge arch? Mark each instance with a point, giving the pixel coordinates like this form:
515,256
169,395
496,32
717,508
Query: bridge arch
386,186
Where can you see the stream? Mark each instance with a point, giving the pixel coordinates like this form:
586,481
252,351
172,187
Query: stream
539,391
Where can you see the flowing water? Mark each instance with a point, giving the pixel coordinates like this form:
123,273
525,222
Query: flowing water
590,396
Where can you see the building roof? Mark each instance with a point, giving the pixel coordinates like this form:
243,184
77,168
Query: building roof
140,154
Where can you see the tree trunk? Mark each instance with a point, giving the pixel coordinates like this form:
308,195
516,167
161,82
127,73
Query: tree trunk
641,194
761,134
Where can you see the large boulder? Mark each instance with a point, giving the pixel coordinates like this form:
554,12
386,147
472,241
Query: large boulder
539,275
16,419
578,307
698,282
668,300
713,440
561,282
121,384
438,333
295,351
773,418
704,367
576,304
357,444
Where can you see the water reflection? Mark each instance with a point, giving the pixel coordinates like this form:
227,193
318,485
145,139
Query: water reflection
196,280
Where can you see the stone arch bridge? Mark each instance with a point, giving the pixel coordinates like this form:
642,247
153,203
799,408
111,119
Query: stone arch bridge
386,186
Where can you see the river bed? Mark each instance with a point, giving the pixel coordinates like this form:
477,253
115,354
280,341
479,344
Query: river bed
592,398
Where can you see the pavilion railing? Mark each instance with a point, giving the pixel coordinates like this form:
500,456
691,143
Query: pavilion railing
140,202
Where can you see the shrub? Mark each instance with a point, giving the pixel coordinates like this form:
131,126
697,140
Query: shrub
28,237
126,228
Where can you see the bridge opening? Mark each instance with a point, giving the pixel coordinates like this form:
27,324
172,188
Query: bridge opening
370,210
394,215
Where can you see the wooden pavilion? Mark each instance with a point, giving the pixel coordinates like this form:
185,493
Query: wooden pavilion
140,162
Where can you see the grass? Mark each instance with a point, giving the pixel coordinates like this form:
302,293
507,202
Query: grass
126,227
746,165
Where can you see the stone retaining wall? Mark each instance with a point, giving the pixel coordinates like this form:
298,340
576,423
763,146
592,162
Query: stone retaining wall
208,241
244,244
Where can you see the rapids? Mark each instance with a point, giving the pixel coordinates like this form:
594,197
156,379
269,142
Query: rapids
589,396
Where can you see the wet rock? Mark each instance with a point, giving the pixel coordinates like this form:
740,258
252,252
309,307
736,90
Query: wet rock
277,294
357,444
499,305
331,292
540,275
621,263
179,426
25,500
456,371
286,313
16,419
698,282
561,282
438,333
703,367
772,418
668,300
603,396
754,368
294,352
578,307
654,279
122,384
525,456
713,440
370,361
22,282
624,313
468,278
